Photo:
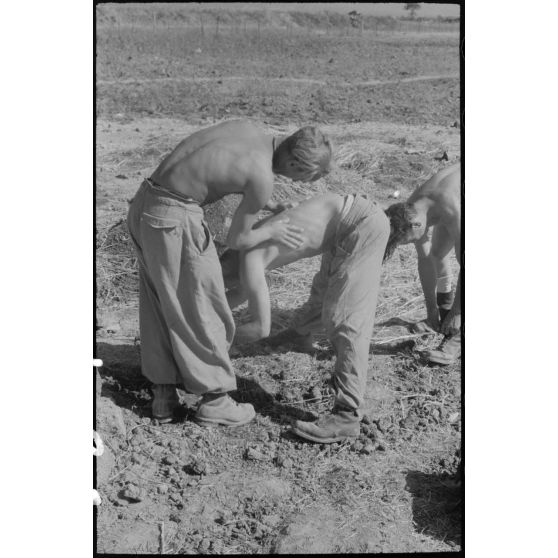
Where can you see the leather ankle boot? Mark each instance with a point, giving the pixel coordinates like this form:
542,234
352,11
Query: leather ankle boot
447,352
335,427
221,409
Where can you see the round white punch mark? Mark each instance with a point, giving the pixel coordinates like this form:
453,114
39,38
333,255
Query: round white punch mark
100,448
97,362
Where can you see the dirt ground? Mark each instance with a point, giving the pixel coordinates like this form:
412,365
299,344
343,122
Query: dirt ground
181,488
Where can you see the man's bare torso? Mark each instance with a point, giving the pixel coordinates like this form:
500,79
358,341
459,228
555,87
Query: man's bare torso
444,190
318,216
217,161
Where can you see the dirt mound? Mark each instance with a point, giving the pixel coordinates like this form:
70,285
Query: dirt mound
116,266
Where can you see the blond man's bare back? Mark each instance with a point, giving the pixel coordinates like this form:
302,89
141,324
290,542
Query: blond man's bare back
223,159
318,216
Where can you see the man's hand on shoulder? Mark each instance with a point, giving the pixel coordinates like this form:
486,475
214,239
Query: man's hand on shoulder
289,235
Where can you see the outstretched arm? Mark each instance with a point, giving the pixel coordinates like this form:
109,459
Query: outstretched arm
252,279
428,278
452,322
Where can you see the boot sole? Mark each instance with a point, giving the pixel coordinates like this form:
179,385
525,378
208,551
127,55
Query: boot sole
163,420
221,422
331,440
443,362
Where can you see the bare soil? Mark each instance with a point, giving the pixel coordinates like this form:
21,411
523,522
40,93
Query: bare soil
181,488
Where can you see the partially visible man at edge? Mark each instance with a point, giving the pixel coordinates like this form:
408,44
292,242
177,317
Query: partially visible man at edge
351,233
186,326
431,219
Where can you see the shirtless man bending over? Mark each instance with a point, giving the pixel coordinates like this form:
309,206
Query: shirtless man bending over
351,233
186,324
431,219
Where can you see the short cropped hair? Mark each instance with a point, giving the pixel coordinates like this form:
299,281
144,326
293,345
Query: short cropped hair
400,217
310,149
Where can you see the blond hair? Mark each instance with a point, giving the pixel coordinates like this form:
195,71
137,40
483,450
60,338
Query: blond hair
310,149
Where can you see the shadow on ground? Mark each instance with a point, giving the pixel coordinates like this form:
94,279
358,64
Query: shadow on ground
121,377
123,382
266,404
405,346
437,506
280,343
397,322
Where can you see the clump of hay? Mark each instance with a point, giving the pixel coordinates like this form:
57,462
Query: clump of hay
352,157
116,261
116,265
285,189
218,216
289,288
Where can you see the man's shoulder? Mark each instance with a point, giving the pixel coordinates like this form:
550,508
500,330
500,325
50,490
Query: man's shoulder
243,140
242,127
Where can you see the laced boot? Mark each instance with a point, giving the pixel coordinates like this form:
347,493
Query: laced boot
447,352
165,401
221,409
336,427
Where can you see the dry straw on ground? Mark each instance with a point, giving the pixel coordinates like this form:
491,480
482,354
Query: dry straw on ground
116,265
117,275
357,158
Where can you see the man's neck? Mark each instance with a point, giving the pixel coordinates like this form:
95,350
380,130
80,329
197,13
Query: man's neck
278,140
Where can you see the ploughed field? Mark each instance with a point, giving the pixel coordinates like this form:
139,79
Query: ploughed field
390,103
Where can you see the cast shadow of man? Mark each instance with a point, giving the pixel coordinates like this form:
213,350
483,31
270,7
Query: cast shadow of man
282,342
437,506
123,382
396,321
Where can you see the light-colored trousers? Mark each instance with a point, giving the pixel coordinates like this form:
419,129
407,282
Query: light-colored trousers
186,326
344,295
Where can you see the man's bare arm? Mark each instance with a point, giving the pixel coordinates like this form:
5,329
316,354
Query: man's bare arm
452,322
242,235
252,278
428,278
